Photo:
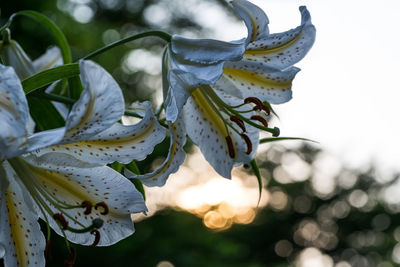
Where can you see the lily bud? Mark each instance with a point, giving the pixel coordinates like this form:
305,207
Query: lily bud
12,54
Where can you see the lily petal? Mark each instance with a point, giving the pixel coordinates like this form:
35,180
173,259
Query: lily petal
117,143
206,51
20,234
282,50
254,17
101,104
46,138
13,55
194,74
100,184
176,96
264,83
50,59
176,156
14,114
207,130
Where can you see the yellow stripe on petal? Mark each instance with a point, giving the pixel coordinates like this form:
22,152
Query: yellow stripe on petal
254,25
5,102
20,241
60,181
251,77
86,118
274,49
208,111
118,143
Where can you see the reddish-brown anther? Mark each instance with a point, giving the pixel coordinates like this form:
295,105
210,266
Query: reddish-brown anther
104,206
260,119
259,105
248,143
239,122
61,219
96,234
253,100
88,205
231,149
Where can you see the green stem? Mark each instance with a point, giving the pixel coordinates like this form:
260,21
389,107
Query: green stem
8,23
54,97
6,36
274,131
133,114
269,140
163,35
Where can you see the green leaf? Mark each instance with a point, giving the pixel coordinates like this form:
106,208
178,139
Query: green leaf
116,166
75,85
45,114
257,173
49,76
274,139
138,184
54,30
270,107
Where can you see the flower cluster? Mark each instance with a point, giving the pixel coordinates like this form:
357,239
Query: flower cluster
219,93
216,93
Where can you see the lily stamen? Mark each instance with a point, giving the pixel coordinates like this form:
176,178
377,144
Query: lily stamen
96,234
88,207
96,224
104,206
248,143
265,108
259,105
253,100
61,220
231,149
260,119
238,122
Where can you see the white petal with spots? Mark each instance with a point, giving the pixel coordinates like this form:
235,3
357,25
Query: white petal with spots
118,143
267,84
206,51
193,74
176,156
14,114
176,97
73,185
282,50
20,233
101,104
254,17
45,138
206,129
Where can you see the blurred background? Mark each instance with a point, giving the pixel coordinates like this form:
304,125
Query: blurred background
335,203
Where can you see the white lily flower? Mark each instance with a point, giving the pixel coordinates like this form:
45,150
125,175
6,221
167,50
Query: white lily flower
57,175
215,90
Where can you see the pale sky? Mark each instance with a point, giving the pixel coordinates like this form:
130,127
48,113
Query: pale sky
346,96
